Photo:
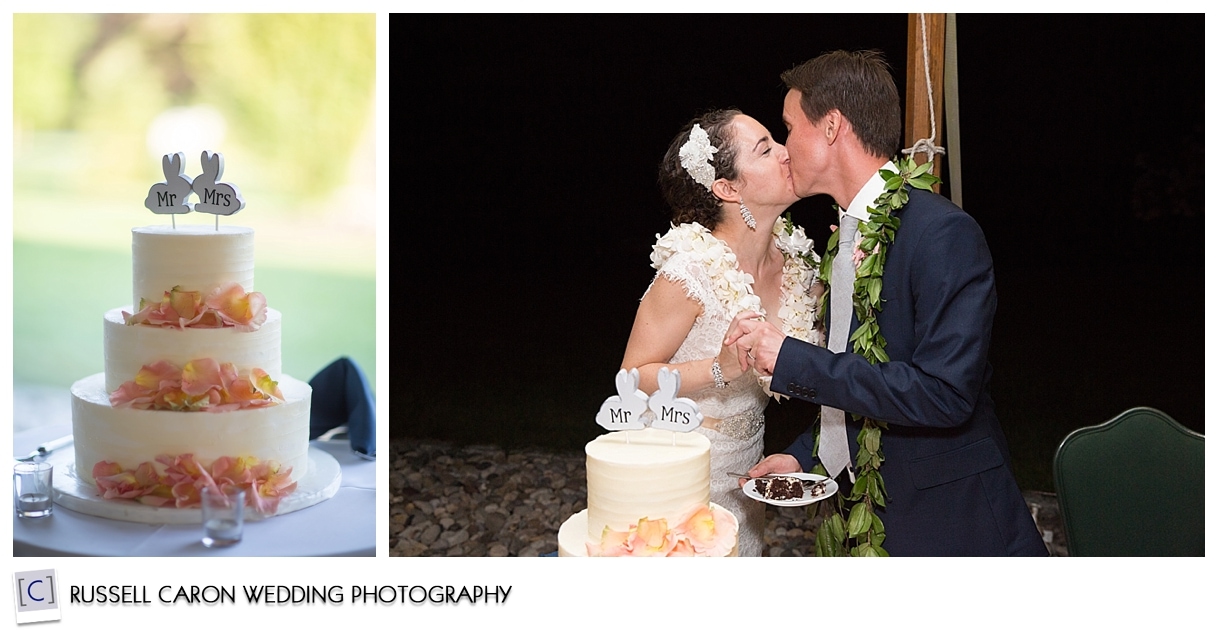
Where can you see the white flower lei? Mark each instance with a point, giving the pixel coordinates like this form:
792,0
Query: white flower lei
734,288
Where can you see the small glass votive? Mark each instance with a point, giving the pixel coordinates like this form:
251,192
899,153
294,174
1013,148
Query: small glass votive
32,489
223,516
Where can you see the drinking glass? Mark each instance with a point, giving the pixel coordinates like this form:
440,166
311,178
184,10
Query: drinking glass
32,489
223,516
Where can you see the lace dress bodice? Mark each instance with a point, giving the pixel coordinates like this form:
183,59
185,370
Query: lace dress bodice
706,267
705,339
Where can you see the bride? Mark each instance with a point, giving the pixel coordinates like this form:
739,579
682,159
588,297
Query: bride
727,182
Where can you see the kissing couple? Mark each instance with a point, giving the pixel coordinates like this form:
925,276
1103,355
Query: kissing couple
743,308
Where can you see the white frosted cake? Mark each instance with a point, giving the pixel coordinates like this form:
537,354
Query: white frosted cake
193,391
649,495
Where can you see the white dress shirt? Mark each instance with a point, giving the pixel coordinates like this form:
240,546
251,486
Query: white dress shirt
867,195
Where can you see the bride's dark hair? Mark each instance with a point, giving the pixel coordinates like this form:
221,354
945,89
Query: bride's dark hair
689,200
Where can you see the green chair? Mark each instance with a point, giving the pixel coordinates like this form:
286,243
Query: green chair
1133,486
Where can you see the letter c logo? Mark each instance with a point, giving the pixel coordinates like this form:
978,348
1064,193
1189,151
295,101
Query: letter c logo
30,593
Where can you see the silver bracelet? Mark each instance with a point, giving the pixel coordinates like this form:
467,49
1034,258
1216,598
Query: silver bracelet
717,373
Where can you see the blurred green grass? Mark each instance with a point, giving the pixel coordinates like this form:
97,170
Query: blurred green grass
60,293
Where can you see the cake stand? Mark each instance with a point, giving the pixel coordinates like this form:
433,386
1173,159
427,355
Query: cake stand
319,484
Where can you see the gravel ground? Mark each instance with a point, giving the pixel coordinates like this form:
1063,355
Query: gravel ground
481,500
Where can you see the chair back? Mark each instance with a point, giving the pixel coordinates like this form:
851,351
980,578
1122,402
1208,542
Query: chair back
1133,486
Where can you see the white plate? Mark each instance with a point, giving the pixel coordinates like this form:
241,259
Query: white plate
750,489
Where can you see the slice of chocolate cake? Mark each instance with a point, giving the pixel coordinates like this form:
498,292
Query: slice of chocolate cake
782,488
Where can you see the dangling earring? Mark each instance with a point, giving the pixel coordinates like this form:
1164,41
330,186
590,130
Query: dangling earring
748,216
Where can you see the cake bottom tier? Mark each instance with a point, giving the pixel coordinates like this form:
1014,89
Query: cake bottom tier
321,483
130,437
573,536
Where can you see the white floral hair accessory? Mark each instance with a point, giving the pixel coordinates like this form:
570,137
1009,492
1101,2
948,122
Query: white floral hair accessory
696,155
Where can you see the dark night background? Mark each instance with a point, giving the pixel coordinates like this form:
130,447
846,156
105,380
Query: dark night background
524,155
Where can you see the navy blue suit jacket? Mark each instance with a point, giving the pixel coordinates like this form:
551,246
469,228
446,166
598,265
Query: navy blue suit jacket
947,466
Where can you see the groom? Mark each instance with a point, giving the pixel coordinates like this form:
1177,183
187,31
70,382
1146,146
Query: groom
947,467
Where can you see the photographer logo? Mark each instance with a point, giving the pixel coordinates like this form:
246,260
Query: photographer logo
37,596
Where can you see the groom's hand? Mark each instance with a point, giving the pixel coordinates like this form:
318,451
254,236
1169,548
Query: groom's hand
777,463
757,342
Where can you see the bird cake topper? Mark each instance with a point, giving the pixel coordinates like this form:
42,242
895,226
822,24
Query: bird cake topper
172,197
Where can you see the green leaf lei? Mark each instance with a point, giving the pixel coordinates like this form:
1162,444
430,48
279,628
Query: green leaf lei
855,529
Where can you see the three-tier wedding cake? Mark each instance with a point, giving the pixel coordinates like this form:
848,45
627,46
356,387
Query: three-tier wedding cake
193,392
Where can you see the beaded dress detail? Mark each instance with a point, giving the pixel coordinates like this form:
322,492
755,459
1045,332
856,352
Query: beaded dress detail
690,255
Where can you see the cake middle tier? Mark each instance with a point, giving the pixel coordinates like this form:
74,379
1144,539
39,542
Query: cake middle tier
131,347
131,437
649,473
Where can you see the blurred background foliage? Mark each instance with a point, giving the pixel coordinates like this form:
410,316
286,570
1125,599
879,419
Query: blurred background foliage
97,99
295,90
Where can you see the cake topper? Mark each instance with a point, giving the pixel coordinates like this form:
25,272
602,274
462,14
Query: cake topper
171,197
625,409
215,197
673,413
631,408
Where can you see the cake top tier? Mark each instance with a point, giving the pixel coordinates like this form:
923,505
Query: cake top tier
193,257
651,473
202,230
648,447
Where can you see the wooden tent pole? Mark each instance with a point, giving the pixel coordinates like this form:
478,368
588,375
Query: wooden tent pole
951,97
917,112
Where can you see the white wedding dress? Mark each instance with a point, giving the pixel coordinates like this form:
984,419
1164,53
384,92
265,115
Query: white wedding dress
706,267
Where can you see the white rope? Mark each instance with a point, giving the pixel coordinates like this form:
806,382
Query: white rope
926,145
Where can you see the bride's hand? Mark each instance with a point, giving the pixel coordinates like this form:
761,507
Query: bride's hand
730,364
740,325
756,341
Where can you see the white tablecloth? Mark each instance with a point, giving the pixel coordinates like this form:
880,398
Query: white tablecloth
344,525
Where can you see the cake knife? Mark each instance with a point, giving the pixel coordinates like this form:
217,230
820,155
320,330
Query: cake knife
768,475
46,448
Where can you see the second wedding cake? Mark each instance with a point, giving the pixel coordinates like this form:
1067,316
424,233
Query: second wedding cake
649,495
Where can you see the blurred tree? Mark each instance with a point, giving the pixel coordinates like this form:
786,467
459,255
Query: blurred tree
295,90
45,50
301,83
